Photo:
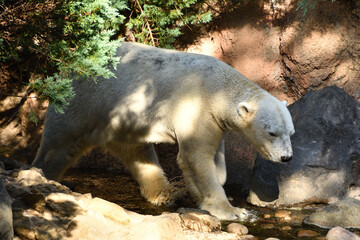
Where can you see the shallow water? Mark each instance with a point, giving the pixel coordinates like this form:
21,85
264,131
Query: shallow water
121,189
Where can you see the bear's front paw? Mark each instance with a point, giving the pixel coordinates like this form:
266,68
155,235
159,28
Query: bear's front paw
169,195
232,213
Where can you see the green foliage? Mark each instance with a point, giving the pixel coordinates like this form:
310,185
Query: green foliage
57,39
159,22
56,89
32,117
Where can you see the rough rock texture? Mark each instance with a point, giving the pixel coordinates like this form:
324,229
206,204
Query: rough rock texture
45,209
282,50
237,228
345,213
199,220
338,233
326,148
6,225
240,157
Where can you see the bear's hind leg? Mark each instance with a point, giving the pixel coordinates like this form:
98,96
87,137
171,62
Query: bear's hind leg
143,164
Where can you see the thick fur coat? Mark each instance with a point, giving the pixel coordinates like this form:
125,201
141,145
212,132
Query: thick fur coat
166,96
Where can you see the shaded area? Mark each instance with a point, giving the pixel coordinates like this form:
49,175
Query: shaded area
282,50
326,156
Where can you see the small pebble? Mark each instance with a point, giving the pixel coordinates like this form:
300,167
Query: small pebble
248,237
237,228
267,216
282,214
307,233
286,228
268,226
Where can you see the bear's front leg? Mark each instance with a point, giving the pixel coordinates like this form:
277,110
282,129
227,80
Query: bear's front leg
197,163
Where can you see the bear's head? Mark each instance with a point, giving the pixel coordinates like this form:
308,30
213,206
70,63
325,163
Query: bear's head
268,125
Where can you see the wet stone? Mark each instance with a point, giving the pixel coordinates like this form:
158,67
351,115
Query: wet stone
237,228
284,214
345,213
307,233
268,226
248,237
341,233
286,228
268,220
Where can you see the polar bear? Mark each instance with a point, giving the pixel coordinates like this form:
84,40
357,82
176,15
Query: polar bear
167,96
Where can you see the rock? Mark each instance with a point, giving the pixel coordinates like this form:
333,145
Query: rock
326,146
354,192
23,227
44,209
286,228
63,204
283,214
35,201
307,233
268,220
109,210
345,213
30,177
92,227
10,164
199,220
6,223
339,233
237,228
99,224
267,215
166,227
248,237
240,158
268,226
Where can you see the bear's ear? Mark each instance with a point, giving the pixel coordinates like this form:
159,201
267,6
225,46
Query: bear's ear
244,109
284,102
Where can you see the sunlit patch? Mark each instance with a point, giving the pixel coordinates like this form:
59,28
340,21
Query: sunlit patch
187,114
138,101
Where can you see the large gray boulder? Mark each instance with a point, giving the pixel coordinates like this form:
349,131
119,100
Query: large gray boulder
326,154
345,213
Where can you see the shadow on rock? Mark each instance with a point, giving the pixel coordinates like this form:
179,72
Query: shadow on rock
326,153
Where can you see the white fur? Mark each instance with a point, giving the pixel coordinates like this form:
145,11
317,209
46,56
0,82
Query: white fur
164,96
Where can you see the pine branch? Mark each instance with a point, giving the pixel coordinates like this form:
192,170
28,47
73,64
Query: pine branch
147,23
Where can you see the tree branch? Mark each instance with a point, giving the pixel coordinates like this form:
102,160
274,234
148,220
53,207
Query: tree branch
147,23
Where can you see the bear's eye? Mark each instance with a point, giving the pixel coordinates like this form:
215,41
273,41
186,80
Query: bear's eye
272,134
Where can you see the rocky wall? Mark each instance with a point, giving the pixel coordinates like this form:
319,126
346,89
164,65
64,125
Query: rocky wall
284,51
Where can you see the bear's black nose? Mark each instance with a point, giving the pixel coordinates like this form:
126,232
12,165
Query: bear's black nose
286,158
